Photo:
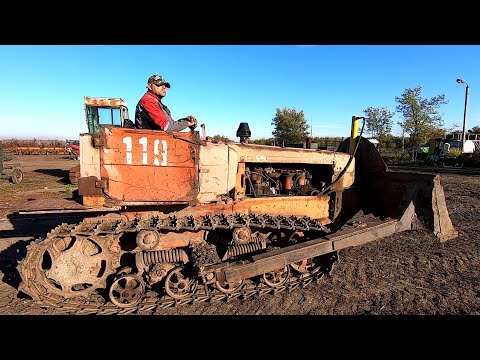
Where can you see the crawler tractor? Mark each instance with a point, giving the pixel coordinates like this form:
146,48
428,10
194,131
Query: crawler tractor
175,218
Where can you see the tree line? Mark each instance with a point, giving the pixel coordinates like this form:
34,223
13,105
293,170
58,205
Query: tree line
421,121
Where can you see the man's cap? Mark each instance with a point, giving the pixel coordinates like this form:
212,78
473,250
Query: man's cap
158,80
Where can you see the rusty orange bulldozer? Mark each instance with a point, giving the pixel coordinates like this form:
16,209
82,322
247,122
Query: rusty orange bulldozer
172,218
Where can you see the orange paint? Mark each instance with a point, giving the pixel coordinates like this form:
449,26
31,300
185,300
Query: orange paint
148,165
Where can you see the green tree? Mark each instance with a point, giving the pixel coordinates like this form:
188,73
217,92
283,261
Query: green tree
475,130
221,138
263,141
421,118
290,126
378,121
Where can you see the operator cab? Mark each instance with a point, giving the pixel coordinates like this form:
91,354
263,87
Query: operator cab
101,111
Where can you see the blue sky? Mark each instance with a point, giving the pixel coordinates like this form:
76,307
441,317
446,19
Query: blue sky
42,86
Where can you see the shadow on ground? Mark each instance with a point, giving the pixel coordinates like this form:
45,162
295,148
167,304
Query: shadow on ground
9,259
31,226
36,225
63,175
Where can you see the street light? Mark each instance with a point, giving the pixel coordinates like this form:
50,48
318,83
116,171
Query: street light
467,88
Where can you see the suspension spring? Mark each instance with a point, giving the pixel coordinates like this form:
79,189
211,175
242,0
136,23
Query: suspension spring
146,258
236,250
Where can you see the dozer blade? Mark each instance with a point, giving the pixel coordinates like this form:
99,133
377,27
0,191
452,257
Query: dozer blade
385,193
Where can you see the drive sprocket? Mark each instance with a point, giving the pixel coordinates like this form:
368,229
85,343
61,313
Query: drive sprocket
68,266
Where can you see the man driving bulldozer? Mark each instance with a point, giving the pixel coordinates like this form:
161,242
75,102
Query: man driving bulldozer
152,114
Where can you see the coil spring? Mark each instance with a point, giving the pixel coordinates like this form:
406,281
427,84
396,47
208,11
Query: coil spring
164,256
236,250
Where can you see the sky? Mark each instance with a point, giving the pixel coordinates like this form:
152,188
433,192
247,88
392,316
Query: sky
42,86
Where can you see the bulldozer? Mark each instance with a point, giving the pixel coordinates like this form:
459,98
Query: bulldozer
174,218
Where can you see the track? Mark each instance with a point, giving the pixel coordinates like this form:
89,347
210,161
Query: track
153,302
107,228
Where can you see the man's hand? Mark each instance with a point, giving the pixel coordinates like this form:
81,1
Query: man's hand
192,122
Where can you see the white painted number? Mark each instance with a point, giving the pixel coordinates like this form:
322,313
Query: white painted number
144,142
128,141
156,151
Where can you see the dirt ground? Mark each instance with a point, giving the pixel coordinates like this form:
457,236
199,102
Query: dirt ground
409,273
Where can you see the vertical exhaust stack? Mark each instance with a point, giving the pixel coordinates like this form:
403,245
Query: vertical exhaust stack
243,132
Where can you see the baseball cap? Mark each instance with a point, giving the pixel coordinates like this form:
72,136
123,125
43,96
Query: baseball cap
158,80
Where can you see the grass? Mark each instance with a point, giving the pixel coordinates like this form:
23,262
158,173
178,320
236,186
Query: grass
54,186
32,183
68,191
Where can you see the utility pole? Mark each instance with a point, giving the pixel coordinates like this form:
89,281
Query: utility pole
467,88
403,135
